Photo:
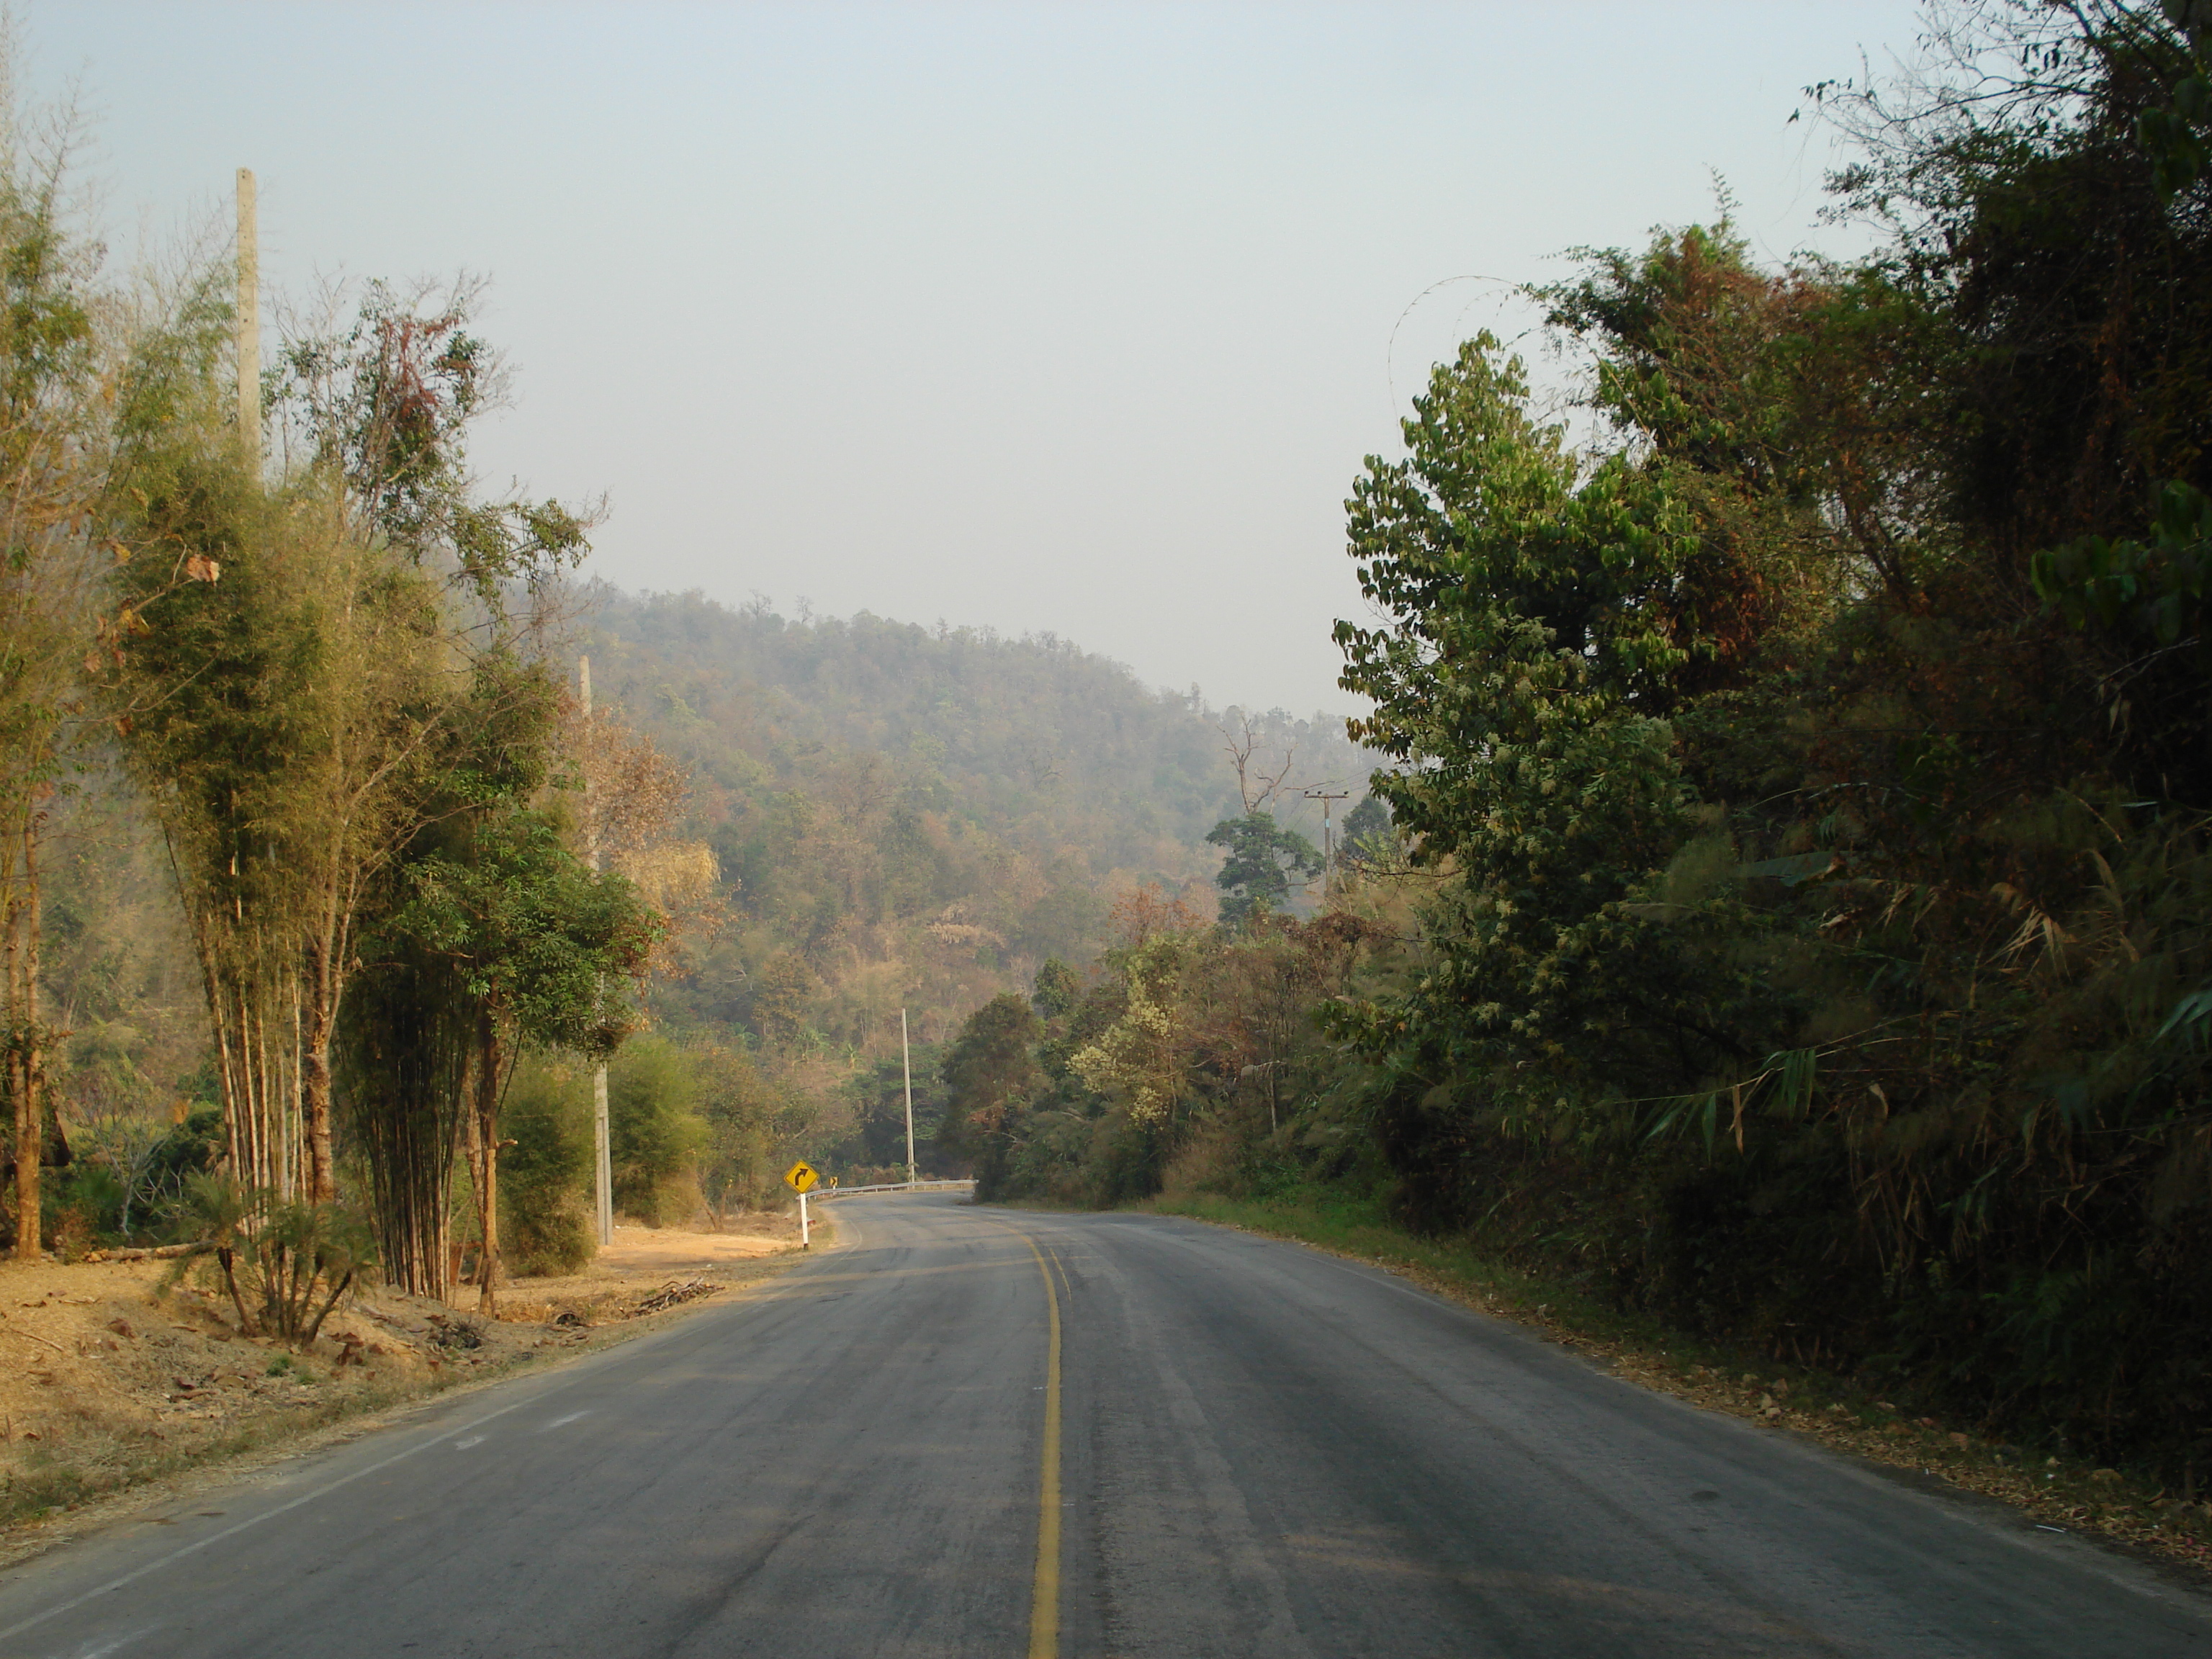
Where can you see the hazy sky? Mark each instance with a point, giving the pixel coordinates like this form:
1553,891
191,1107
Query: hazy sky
1058,317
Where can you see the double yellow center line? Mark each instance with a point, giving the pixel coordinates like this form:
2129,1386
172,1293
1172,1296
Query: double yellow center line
1044,1594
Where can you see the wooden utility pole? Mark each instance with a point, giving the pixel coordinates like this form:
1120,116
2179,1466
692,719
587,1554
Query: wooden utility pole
601,1143
246,325
906,1062
1327,834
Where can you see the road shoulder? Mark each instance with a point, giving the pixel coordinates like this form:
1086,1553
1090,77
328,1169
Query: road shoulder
2076,1498
120,1394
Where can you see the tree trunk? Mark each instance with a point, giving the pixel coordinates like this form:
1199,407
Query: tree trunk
27,1138
11,1054
320,1019
26,1059
487,1137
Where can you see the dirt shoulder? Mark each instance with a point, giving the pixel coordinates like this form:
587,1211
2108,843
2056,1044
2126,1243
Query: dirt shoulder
2064,1494
110,1384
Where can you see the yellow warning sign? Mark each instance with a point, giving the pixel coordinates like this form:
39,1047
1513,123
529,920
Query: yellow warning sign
800,1177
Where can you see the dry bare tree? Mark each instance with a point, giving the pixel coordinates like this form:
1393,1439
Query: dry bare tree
1247,748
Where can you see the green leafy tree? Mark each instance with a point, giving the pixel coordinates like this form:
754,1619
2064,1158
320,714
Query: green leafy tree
298,720
1055,989
988,1074
1528,641
549,954
1260,859
1805,781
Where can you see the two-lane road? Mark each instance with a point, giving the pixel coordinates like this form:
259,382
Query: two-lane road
970,1432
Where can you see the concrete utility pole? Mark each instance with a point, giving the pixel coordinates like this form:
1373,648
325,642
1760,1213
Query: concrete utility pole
1327,835
906,1061
602,1142
246,327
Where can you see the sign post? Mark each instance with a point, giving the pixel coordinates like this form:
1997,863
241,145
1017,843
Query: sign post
800,1178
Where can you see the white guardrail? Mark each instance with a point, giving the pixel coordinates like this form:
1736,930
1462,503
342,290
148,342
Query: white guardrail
805,1228
821,1193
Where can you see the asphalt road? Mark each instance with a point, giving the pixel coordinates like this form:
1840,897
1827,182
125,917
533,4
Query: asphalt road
1223,1444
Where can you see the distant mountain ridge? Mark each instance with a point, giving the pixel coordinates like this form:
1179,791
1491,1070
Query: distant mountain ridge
1008,719
940,807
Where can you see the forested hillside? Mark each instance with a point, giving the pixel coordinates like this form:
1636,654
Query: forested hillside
904,816
1799,925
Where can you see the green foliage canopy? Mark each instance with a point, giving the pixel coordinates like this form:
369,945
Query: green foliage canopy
1260,857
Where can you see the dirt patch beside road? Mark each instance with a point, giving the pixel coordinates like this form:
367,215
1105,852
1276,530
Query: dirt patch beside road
107,1383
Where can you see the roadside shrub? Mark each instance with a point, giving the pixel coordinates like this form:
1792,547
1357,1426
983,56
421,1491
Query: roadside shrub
191,1147
546,1176
283,1263
87,1209
653,1111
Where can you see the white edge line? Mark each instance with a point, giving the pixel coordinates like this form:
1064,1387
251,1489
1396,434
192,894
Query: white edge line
156,1565
440,1438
